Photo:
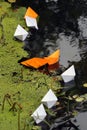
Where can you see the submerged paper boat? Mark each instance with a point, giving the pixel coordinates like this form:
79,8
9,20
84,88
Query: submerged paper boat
38,62
20,33
39,114
31,22
31,13
69,74
49,99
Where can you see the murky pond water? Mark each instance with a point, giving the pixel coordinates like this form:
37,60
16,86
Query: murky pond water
81,119
62,25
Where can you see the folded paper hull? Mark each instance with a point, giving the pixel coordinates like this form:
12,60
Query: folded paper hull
39,114
20,33
69,74
49,99
37,62
31,13
31,22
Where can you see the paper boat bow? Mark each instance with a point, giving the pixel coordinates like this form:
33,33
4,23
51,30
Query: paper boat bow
49,99
69,74
20,33
38,62
39,114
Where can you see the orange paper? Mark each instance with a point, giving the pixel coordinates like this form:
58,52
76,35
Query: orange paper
53,58
38,62
31,13
35,62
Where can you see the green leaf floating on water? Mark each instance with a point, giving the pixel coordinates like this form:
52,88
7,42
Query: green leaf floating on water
12,1
75,96
85,85
36,128
79,99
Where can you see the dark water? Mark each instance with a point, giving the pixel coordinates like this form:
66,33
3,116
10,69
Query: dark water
82,118
62,25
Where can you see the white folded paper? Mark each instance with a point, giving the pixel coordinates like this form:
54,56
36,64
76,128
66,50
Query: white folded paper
20,33
31,22
69,74
39,114
49,99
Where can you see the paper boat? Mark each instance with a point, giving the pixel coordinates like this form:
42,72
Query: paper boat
31,13
69,74
37,62
39,114
49,99
31,22
20,33
54,57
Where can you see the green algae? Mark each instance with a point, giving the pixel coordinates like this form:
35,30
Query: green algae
25,87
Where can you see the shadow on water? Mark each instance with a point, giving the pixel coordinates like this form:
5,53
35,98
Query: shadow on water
62,25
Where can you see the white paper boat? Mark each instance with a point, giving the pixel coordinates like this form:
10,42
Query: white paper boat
31,22
69,74
39,114
49,99
20,33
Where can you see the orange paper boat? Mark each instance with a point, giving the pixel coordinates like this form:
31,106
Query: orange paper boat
38,62
53,58
31,13
35,62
